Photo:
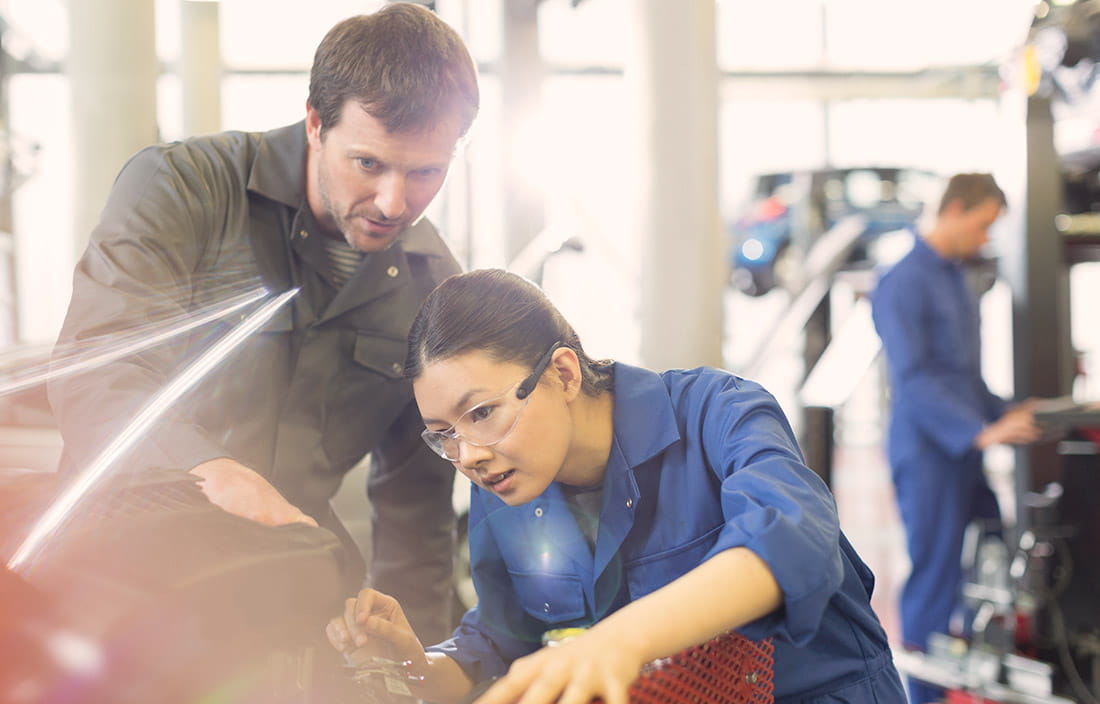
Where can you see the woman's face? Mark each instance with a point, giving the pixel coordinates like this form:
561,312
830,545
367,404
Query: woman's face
516,461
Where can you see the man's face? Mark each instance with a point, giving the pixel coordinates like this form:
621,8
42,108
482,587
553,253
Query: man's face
972,227
368,184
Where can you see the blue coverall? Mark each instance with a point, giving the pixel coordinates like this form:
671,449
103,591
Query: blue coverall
702,461
928,320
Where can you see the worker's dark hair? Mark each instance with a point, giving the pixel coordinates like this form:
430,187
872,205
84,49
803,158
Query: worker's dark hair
501,314
404,65
972,190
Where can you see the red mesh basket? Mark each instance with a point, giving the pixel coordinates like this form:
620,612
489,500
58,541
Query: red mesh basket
730,669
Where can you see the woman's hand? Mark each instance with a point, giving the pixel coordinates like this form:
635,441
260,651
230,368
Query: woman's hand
591,665
374,625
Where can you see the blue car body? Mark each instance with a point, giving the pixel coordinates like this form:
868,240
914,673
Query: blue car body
789,210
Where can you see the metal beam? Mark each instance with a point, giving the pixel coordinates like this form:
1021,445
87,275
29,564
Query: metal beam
967,82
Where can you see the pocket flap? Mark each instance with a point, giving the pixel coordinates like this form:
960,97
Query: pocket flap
385,355
551,598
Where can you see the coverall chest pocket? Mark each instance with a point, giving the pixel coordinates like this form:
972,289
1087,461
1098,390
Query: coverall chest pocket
550,598
653,571
948,319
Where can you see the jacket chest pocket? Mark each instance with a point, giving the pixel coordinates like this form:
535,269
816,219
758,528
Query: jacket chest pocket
549,598
361,400
381,355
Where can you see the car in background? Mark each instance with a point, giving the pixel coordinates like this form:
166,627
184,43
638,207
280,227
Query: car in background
787,211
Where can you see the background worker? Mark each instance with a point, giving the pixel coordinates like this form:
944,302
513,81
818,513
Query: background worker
942,414
333,205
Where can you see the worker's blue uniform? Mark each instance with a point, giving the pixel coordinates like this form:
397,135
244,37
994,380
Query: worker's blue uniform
702,461
927,318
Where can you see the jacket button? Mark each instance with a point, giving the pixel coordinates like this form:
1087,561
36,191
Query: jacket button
303,234
546,607
391,272
629,503
397,369
538,512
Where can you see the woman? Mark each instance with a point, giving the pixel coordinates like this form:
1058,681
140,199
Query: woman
657,510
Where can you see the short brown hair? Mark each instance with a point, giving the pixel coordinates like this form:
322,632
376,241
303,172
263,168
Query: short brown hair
972,190
404,65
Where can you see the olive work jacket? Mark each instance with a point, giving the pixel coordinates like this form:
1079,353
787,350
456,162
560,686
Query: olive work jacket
190,224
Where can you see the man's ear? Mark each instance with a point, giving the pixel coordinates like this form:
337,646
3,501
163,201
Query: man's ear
954,208
313,126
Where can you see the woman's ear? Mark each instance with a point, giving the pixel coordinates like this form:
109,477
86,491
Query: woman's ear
566,367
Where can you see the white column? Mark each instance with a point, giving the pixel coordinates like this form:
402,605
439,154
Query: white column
521,79
112,69
672,79
200,66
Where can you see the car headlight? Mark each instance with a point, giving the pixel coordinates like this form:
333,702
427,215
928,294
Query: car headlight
752,249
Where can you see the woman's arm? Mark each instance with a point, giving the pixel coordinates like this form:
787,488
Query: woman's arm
729,590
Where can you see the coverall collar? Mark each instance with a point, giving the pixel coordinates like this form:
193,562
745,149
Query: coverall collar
645,422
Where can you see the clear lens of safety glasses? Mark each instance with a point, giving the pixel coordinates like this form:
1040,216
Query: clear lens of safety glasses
489,422
485,424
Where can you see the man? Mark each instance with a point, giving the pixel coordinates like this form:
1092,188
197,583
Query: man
332,205
942,413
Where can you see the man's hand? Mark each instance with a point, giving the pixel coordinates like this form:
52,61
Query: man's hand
242,492
1016,427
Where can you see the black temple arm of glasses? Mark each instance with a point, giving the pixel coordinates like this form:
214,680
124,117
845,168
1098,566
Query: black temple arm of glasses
528,385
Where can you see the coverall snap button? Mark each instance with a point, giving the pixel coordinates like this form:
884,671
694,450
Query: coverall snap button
546,607
396,368
391,272
629,503
538,512
303,234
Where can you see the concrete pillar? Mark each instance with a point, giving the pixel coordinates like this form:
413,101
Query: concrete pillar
112,68
672,79
200,66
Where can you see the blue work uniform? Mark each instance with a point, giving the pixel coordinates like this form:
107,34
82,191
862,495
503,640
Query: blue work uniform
927,317
701,461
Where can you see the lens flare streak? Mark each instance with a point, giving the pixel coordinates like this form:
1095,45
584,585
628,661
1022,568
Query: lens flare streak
70,363
52,519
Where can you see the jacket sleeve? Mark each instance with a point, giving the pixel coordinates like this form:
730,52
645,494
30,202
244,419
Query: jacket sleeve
136,279
939,408
772,503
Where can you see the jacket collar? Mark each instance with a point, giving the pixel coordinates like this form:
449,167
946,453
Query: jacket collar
279,169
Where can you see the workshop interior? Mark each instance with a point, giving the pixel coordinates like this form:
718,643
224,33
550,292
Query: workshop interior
705,182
